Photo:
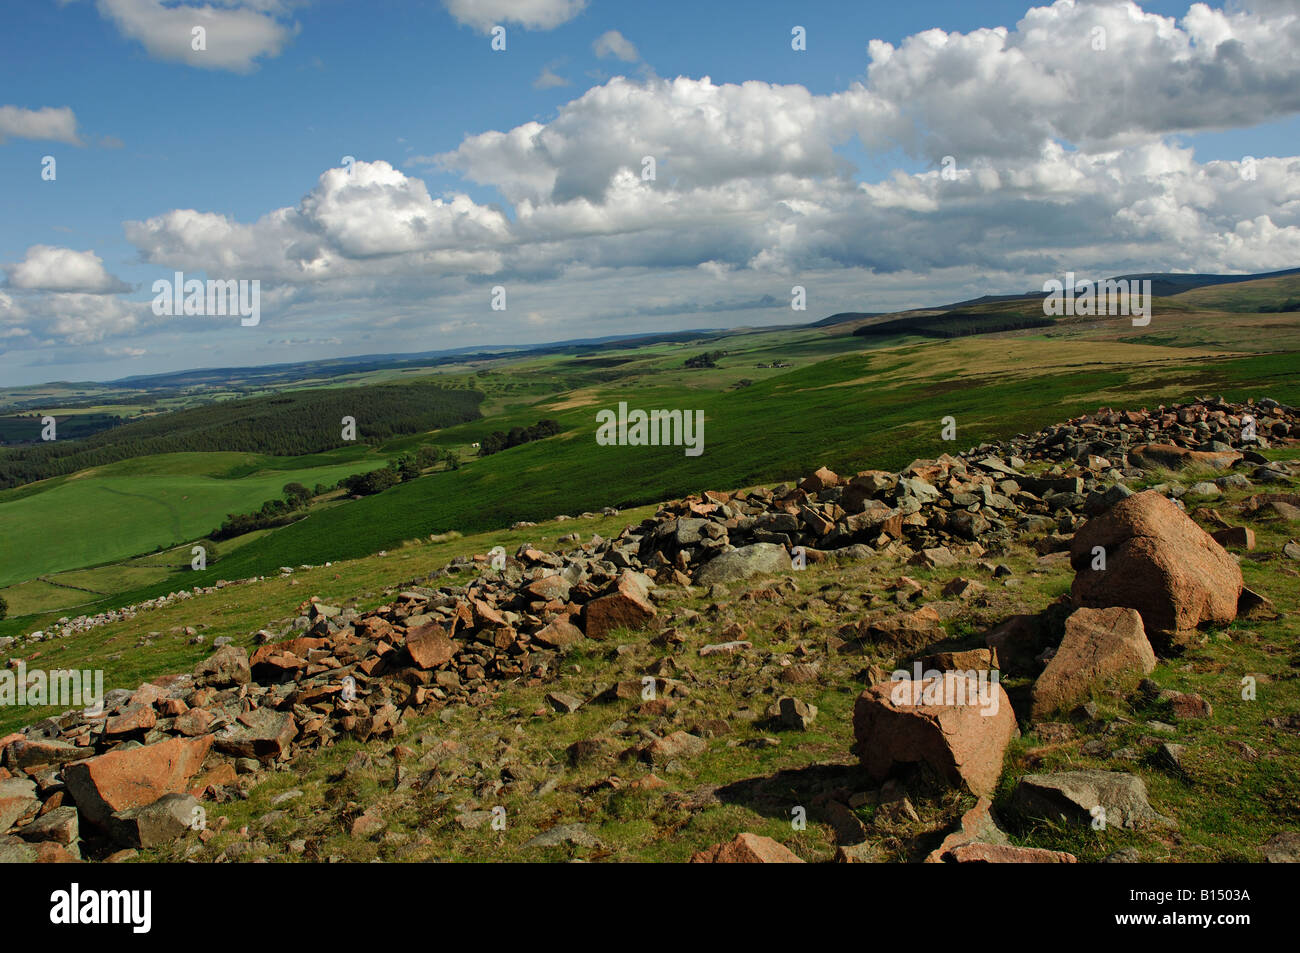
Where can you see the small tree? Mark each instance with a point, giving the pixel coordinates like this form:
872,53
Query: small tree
4,608
274,507
406,466
492,443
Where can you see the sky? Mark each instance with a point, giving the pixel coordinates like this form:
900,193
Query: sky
387,176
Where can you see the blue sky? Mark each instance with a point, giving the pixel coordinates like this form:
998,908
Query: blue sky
818,173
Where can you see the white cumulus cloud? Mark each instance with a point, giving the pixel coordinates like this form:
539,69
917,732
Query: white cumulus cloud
235,32
55,124
51,268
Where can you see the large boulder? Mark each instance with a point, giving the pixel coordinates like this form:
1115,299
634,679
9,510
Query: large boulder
760,559
1157,561
954,723
133,777
1100,646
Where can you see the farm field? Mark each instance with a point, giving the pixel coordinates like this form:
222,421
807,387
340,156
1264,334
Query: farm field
134,506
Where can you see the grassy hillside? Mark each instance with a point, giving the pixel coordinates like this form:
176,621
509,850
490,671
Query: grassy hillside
302,422
123,509
1264,294
1232,790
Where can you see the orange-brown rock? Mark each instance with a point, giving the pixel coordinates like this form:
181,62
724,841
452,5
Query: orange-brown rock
429,646
286,656
970,660
1152,455
819,481
907,631
626,607
485,614
1005,854
220,776
134,777
138,718
952,723
1239,537
1159,562
1101,646
746,849
558,634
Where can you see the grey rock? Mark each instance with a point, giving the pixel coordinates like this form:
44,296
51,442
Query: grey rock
15,851
225,667
562,835
161,822
1126,855
14,809
742,563
59,825
1072,796
1283,848
564,702
17,787
795,714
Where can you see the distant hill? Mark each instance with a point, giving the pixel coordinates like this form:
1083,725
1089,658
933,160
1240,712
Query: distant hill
273,375
1163,285
953,325
844,317
333,367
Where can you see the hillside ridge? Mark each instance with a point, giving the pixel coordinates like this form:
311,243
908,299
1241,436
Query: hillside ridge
332,674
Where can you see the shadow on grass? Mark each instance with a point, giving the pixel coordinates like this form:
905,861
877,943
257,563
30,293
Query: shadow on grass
810,787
